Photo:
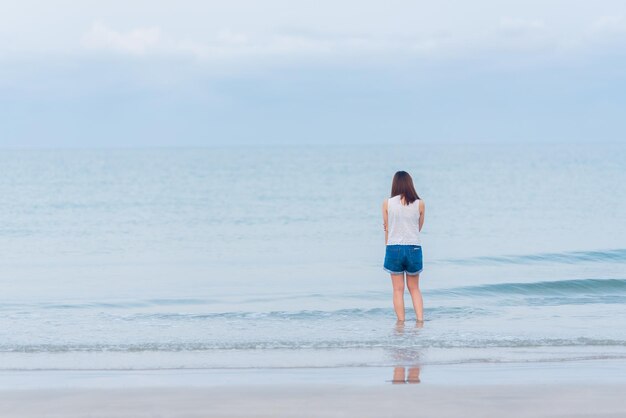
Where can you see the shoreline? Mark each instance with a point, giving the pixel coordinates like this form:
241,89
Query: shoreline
276,401
585,388
596,371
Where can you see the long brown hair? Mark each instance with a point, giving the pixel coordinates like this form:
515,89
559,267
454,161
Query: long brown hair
402,184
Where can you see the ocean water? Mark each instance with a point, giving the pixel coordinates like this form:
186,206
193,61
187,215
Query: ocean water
257,257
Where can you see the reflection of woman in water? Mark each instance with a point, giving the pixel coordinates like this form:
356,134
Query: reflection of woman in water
406,358
403,218
406,375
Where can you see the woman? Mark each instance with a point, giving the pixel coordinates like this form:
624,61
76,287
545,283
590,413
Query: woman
403,218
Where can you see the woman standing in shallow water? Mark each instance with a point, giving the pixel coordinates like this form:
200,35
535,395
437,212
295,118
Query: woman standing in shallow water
403,218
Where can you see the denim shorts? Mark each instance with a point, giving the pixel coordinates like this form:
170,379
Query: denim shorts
401,258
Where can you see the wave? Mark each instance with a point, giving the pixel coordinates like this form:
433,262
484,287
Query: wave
280,315
548,293
610,288
393,346
123,304
308,315
181,302
573,257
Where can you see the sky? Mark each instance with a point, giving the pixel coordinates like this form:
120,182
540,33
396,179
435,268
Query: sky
201,73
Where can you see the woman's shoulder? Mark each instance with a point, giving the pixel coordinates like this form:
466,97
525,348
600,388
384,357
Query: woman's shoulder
389,199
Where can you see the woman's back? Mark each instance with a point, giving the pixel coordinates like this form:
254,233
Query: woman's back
403,222
403,252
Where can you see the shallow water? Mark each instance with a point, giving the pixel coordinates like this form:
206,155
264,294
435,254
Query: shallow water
272,256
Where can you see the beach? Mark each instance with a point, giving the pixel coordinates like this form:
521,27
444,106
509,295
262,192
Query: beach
512,390
208,208
204,282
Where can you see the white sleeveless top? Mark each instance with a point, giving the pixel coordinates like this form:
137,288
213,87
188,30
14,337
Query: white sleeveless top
403,222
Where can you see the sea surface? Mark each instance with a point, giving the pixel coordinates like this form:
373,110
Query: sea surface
271,257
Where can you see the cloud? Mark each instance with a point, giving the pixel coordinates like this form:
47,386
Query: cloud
512,34
516,26
609,25
137,41
606,30
227,44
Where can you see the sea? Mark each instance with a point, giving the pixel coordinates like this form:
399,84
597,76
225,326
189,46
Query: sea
244,257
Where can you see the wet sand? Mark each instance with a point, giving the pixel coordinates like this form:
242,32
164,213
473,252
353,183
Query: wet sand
567,389
320,401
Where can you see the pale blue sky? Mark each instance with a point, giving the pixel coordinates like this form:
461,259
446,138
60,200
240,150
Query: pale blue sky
194,73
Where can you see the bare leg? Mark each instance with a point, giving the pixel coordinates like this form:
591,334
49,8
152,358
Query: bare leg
397,280
398,375
413,375
413,283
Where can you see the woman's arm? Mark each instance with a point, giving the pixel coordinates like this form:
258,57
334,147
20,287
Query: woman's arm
385,220
422,210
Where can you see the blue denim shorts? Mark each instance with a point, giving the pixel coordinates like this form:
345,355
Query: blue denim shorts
401,258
